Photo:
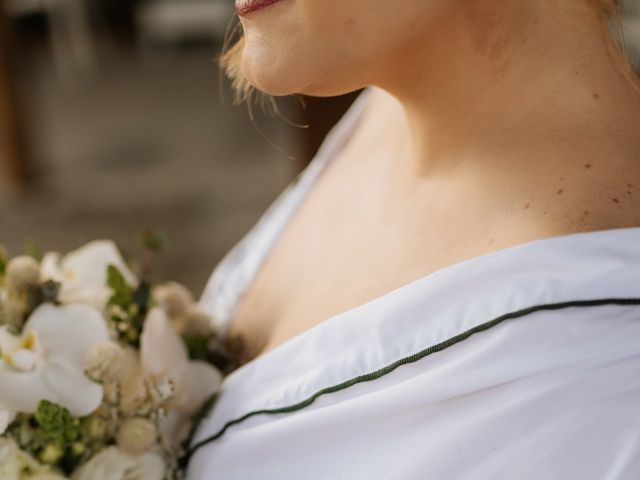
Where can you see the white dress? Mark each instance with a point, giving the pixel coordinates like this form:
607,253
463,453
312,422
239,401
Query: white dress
523,363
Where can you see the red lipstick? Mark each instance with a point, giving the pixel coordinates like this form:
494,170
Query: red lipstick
245,7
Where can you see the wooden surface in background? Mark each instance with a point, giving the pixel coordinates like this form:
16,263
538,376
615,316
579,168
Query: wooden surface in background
13,152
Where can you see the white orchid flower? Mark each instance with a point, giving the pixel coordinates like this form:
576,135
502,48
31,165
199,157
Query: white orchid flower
47,361
164,355
112,464
83,272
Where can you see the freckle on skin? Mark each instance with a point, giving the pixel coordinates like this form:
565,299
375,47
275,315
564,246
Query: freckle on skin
629,192
587,165
350,22
559,192
629,185
526,206
614,199
596,96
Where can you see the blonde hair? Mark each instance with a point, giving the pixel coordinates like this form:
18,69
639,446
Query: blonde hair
230,61
609,12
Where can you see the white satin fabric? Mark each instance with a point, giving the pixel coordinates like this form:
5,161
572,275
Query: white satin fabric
549,392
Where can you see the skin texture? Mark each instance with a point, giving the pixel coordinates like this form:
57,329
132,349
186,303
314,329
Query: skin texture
492,123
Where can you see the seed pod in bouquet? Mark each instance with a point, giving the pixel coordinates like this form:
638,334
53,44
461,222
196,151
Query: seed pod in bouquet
161,390
22,272
195,322
111,390
124,365
136,436
78,448
109,364
173,298
95,428
101,359
51,454
134,396
12,311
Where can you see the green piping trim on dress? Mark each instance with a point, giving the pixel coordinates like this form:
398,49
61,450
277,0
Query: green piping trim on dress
410,359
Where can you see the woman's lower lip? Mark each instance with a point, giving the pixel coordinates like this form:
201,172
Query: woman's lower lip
245,7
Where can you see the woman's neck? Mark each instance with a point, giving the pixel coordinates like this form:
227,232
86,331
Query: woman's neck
501,79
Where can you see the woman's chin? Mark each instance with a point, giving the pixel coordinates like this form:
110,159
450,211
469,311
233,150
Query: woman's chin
280,84
273,83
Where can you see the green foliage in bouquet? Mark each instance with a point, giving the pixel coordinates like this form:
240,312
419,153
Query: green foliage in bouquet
153,241
128,306
3,263
56,425
122,293
52,435
197,346
59,433
33,250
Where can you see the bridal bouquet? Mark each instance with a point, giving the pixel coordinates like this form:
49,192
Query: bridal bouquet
102,374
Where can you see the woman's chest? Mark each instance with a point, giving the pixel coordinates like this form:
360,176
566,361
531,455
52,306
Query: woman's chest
341,251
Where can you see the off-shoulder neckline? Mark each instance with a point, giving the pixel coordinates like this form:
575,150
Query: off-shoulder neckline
447,270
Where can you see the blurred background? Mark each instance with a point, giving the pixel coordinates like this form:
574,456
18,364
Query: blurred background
114,117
